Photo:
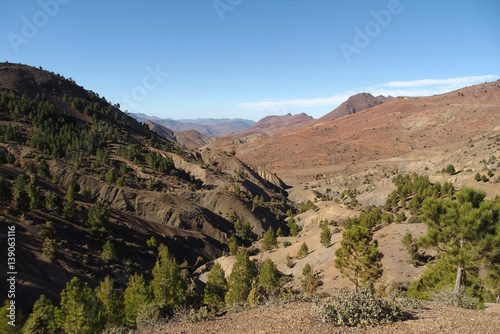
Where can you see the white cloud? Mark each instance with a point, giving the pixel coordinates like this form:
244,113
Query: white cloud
423,87
456,82
297,103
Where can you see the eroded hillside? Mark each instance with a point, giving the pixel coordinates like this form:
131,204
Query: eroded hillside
63,149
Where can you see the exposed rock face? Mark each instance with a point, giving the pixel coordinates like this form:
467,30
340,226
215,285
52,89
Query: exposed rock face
270,177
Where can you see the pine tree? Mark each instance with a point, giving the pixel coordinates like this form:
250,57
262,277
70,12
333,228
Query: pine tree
41,320
233,246
108,253
311,281
216,287
20,194
460,228
240,280
303,251
98,219
270,241
358,257
269,275
168,284
5,327
80,310
136,296
326,234
112,302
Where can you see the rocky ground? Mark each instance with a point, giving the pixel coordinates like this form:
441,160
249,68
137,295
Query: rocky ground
301,317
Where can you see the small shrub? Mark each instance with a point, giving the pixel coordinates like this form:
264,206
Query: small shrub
108,253
411,303
286,244
414,220
152,244
462,299
201,315
360,309
302,251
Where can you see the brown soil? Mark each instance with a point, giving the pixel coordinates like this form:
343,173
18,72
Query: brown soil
301,317
395,128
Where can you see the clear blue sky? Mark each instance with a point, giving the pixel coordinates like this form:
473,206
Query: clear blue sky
252,58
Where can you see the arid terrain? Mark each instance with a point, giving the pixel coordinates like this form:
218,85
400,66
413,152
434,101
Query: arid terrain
159,185
301,317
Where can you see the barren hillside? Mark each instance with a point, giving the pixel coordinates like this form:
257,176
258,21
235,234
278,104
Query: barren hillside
397,127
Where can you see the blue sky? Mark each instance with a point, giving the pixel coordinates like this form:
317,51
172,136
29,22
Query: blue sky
252,58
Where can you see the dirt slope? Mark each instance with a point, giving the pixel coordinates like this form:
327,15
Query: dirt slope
301,317
392,129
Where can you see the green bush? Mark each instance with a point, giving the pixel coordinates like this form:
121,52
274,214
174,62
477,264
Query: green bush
359,309
108,253
302,251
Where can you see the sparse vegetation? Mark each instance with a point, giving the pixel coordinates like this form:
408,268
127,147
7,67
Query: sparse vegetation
303,251
357,309
270,241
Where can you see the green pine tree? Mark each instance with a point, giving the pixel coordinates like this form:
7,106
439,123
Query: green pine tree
20,195
136,297
233,246
5,324
98,217
108,253
270,241
461,229
326,235
42,319
358,257
240,280
303,251
112,301
269,275
216,287
80,311
168,284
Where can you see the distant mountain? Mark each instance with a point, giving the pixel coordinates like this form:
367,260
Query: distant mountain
206,126
275,124
188,138
387,130
354,104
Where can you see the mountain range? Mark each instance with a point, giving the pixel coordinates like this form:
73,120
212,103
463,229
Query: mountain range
205,126
67,153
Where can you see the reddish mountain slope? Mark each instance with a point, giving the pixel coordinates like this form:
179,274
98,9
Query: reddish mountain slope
387,130
354,104
267,126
